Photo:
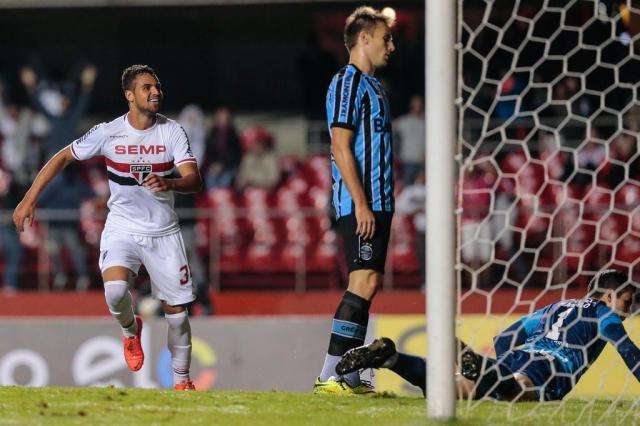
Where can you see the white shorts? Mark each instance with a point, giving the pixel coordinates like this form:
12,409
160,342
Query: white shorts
164,258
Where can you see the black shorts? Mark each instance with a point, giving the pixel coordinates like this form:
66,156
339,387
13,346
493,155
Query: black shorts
551,381
366,254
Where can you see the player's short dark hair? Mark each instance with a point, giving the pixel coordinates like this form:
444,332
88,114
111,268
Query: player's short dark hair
130,74
363,19
610,279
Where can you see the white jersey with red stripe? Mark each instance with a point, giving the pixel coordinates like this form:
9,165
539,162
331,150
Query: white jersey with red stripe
131,155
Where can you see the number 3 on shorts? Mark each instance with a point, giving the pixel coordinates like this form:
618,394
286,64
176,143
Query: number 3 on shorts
185,277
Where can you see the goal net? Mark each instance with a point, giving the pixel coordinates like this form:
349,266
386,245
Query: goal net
549,170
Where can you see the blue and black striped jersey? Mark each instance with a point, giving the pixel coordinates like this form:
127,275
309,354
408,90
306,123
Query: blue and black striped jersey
356,101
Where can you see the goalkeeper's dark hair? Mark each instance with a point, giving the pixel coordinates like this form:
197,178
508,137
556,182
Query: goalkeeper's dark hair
610,279
363,19
130,74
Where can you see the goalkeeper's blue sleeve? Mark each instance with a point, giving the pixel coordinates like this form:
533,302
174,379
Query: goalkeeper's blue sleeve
615,334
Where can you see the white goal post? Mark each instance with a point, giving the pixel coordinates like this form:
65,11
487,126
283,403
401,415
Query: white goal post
441,176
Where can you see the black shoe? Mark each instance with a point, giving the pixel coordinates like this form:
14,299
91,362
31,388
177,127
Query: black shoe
470,363
461,346
372,355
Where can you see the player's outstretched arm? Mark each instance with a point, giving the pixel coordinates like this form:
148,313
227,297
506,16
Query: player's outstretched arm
341,149
189,180
615,334
25,210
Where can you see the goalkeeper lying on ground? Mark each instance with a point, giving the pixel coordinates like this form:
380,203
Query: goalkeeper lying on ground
540,357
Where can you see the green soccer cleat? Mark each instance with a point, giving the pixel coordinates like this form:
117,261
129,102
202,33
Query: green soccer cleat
373,355
337,386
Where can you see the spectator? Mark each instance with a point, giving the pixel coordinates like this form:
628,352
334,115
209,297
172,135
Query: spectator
67,192
476,238
590,156
62,111
410,129
573,86
411,201
624,161
506,106
259,166
191,119
15,129
10,195
552,156
593,153
223,152
185,205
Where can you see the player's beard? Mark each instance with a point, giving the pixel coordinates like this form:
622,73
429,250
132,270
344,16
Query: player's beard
148,109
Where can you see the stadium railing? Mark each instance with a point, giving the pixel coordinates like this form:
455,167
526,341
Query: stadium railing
245,247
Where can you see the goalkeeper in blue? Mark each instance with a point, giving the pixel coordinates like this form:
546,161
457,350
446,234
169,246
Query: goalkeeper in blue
540,357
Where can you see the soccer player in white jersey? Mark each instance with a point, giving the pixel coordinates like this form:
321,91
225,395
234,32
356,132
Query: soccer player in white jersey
142,149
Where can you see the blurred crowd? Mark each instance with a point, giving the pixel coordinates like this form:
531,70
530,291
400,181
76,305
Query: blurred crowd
45,105
235,165
549,182
539,211
29,135
550,157
75,201
515,196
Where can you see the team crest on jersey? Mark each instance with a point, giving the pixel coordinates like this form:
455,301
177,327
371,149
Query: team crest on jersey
140,172
366,251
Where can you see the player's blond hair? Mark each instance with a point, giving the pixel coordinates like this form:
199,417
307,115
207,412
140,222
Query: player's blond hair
363,19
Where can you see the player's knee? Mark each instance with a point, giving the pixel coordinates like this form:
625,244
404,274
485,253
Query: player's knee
375,282
527,393
173,309
116,294
523,380
364,283
179,322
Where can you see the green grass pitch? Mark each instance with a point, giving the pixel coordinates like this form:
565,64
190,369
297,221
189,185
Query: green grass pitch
113,406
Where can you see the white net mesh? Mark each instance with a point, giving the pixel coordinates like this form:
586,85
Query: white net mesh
549,184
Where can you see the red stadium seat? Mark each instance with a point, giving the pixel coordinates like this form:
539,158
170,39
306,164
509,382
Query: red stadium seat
319,198
628,197
552,194
612,227
402,250
597,202
320,168
628,250
323,255
221,197
634,218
